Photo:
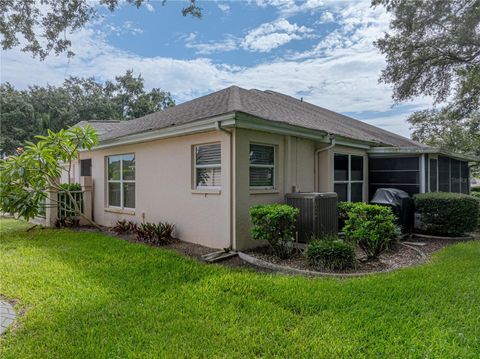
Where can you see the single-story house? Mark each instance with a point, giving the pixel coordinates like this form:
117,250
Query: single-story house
204,163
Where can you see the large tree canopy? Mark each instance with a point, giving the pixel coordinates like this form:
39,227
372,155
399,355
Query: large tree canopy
31,112
433,49
43,26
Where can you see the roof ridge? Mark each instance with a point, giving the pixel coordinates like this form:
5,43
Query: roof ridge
301,103
234,101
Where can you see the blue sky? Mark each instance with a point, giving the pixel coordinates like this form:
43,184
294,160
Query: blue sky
317,49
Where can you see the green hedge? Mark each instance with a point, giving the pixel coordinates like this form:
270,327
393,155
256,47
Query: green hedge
475,190
330,253
372,227
275,223
451,214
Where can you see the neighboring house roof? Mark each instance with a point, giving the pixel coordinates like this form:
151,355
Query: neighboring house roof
267,105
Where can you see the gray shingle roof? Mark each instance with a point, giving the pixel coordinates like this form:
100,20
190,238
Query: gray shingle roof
268,105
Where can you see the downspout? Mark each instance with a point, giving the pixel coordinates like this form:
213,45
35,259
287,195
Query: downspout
316,158
218,127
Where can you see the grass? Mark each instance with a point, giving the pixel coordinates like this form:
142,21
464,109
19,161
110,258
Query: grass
89,295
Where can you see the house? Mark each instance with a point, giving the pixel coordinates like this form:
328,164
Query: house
203,163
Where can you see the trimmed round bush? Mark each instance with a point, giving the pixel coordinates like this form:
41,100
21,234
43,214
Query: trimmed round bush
447,214
331,254
372,227
275,223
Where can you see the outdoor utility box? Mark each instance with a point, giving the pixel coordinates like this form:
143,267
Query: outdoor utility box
400,203
318,213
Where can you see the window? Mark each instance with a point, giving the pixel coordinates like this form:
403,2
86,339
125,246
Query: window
348,177
262,166
208,166
86,167
121,181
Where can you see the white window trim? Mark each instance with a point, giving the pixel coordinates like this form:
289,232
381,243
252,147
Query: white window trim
274,186
349,181
201,188
121,181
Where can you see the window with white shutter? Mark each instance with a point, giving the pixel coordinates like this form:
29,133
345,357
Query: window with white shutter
262,166
208,166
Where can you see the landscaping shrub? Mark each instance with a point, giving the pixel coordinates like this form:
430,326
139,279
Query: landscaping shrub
160,233
125,227
474,190
275,223
450,214
371,227
330,253
342,210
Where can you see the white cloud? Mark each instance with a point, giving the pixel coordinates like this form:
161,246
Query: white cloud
230,43
288,8
149,7
327,16
128,27
264,38
274,34
225,8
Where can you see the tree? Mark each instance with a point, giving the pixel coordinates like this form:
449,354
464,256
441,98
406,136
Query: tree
25,114
433,49
27,178
132,100
42,26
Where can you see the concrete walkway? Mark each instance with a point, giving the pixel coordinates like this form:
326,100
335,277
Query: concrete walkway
7,315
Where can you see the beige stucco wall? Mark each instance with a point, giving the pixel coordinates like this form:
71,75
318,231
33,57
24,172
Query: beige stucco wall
164,189
294,170
164,185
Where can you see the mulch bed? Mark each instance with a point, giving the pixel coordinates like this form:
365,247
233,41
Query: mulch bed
398,257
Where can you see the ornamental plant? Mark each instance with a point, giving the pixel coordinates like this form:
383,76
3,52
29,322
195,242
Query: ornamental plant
330,253
275,223
371,227
450,214
154,233
27,177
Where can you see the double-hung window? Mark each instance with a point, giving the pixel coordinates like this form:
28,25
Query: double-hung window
348,177
121,181
262,166
208,166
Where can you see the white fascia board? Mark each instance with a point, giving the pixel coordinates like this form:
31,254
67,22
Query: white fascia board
420,151
167,132
253,123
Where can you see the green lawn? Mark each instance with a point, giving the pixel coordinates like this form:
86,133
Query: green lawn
89,295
